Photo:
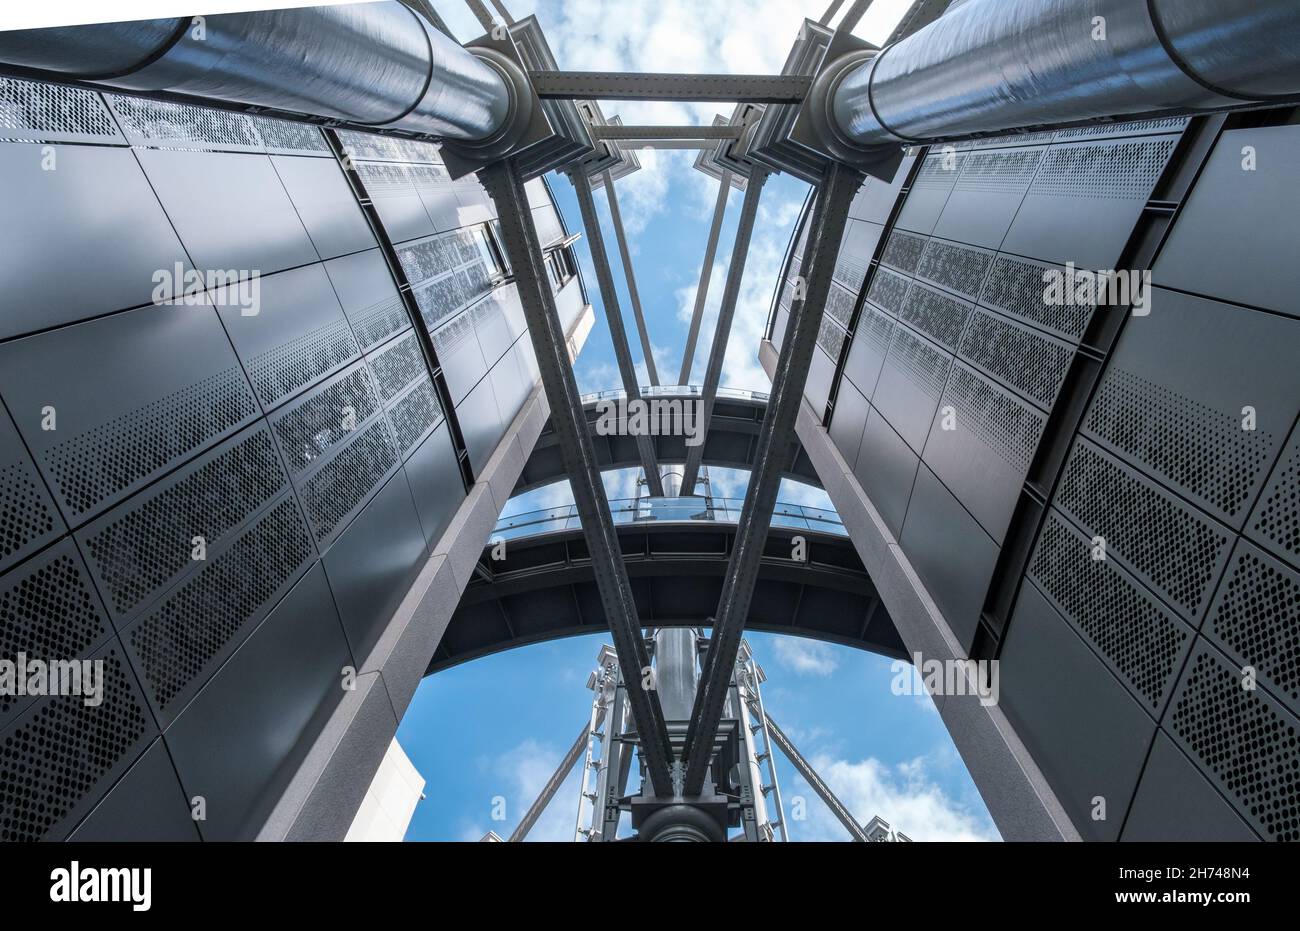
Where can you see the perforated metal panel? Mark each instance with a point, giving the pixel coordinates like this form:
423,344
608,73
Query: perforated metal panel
163,124
1006,426
830,338
369,297
61,755
1141,640
335,490
409,397
935,313
1017,287
388,148
286,136
1170,546
911,381
1123,170
1018,356
903,251
28,518
958,268
867,353
177,645
1255,618
1000,170
49,611
839,305
147,542
32,112
1276,520
1126,128
1242,739
888,290
326,418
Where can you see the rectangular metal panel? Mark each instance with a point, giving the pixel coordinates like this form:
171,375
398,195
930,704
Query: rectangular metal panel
1086,199
987,194
954,267
930,192
936,313
1018,288
1175,803
35,112
867,354
365,288
325,204
240,741
28,517
509,386
856,249
981,443
436,484
230,209
1275,522
820,374
146,805
1090,739
911,382
461,357
392,190
951,553
886,470
1235,238
1179,391
294,336
83,239
876,198
410,399
848,422
481,423
371,565
132,395
490,326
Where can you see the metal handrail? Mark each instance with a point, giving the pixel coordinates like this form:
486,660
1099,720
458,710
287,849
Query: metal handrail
667,510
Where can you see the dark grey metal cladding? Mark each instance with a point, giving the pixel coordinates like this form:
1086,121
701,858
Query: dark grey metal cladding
91,239
436,485
1174,802
903,251
28,517
408,394
1029,362
1236,236
911,383
325,204
238,743
1086,198
954,267
875,198
1275,522
821,372
146,805
988,191
930,191
1142,641
981,444
365,288
371,564
1242,739
54,584
176,526
1084,730
1255,620
1173,548
183,637
337,445
461,356
391,188
938,314
61,755
886,469
867,353
448,272
134,395
848,422
1177,393
294,335
1017,287
951,553
481,422
230,210
856,248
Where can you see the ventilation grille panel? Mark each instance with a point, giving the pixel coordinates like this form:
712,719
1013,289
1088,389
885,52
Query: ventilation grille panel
1242,739
903,251
280,372
1174,548
1019,357
1139,638
936,314
1003,424
163,124
388,148
888,290
957,268
1016,287
1007,171
1276,520
1128,128
1202,451
31,112
288,136
1109,171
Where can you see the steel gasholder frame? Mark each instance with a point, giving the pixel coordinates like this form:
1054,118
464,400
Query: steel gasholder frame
830,216
519,236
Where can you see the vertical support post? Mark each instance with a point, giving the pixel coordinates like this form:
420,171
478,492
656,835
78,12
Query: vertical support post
755,698
722,332
706,275
830,215
625,256
519,237
614,317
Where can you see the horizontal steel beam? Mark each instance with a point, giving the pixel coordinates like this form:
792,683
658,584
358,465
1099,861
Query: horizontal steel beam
663,133
604,85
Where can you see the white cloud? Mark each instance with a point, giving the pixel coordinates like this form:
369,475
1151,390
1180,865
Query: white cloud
518,776
904,795
805,657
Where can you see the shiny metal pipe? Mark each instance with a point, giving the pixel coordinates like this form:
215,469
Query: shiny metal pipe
993,65
366,64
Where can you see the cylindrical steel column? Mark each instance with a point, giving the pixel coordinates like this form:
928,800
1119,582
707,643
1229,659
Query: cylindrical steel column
676,671
367,64
992,65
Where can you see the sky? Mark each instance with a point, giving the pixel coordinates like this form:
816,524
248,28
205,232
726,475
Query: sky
488,734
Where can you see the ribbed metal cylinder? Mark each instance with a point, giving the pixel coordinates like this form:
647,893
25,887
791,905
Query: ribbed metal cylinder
990,65
676,671
377,64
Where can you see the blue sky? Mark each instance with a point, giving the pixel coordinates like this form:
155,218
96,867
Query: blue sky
497,727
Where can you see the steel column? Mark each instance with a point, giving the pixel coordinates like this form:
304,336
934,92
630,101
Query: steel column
722,331
830,215
626,256
614,317
706,275
519,237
